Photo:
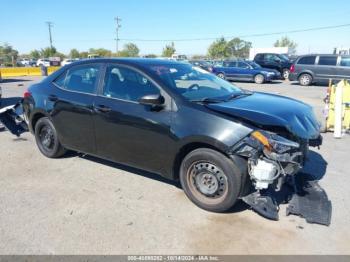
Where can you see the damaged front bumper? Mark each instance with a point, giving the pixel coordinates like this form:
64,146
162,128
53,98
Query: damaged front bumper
274,163
13,119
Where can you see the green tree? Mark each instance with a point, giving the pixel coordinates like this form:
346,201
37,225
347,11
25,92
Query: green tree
238,48
8,54
48,52
83,54
286,42
129,50
218,49
34,54
234,48
169,50
74,53
101,52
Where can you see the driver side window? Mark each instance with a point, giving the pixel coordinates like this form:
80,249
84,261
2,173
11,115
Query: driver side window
126,84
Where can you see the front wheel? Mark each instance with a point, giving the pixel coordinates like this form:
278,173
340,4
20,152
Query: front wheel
259,79
210,179
47,140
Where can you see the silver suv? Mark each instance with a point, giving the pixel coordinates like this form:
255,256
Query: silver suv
309,69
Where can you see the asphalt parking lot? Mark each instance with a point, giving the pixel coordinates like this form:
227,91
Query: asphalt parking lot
82,205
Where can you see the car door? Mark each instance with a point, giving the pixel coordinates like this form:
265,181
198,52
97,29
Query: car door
245,71
272,61
326,67
231,70
344,68
127,131
72,106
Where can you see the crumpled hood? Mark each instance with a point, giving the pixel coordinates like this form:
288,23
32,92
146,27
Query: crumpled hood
273,110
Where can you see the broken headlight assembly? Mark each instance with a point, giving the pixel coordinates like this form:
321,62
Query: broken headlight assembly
269,156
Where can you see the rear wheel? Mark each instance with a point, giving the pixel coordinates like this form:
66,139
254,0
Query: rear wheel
285,73
210,180
221,75
305,79
259,79
47,140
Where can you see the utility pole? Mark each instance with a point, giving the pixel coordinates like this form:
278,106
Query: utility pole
118,26
50,24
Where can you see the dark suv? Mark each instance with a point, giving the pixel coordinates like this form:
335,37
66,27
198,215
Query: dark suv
278,62
309,69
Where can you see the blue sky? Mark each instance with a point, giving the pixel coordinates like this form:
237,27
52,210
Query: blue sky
83,24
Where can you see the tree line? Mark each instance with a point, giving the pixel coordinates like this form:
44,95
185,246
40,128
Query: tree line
219,49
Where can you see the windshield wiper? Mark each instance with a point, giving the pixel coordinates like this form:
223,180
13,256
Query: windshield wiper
238,95
208,100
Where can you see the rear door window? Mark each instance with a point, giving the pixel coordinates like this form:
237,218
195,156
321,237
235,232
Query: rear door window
82,78
259,57
126,84
328,60
242,65
307,60
345,61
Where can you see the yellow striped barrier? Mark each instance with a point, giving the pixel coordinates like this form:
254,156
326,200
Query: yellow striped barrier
25,71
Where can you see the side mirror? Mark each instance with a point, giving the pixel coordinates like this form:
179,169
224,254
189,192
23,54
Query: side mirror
152,100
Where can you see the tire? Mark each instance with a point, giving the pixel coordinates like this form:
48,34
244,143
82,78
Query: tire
305,79
47,140
285,73
210,180
221,75
259,79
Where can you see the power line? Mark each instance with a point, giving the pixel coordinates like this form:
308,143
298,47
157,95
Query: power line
240,36
50,24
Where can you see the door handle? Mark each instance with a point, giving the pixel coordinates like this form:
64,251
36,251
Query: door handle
103,109
53,98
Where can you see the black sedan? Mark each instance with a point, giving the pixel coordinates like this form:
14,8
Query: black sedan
222,143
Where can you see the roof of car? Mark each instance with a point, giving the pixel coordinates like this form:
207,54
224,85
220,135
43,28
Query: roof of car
131,61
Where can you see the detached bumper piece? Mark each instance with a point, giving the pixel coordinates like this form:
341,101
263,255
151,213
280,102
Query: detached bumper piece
311,202
305,199
13,121
263,205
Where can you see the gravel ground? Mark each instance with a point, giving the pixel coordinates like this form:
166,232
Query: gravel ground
84,205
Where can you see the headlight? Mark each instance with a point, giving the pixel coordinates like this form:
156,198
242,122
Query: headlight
273,142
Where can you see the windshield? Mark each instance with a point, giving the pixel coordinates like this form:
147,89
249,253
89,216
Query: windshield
283,57
194,83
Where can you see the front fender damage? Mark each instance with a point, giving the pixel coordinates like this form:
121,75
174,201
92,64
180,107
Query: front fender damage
275,179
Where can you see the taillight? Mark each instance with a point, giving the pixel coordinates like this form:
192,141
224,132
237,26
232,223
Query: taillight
292,68
26,94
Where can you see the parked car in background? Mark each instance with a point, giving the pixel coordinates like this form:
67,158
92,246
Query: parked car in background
278,62
26,62
67,61
240,70
202,64
43,61
310,69
222,143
